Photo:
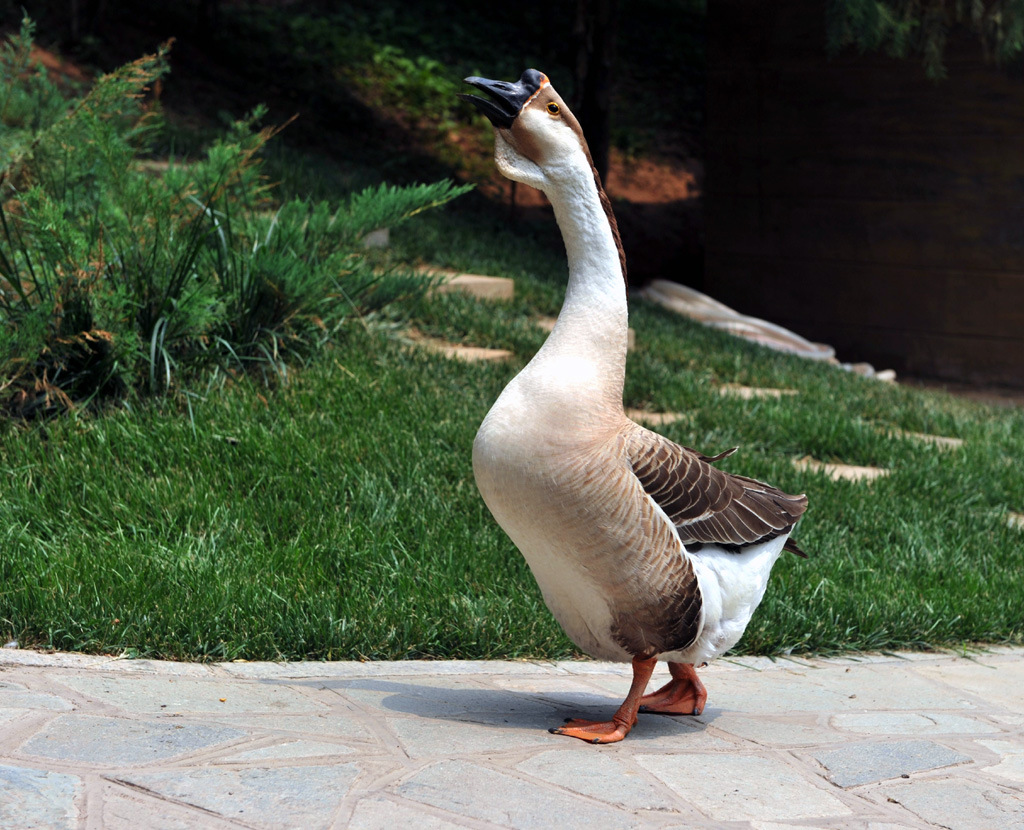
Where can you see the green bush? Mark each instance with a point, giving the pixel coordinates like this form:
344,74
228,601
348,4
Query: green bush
119,274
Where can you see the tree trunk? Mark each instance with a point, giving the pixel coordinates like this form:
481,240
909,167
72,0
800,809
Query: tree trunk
594,33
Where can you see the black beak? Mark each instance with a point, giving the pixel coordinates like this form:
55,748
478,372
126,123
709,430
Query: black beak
506,100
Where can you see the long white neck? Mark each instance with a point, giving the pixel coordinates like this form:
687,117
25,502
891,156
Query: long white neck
593,323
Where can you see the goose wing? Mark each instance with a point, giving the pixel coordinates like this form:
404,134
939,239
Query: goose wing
705,504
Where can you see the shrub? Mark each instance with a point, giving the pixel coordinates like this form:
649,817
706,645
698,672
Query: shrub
121,275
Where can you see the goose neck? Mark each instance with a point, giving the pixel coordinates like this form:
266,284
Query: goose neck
594,312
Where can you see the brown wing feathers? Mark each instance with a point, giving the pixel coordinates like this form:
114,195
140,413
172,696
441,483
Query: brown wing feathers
707,505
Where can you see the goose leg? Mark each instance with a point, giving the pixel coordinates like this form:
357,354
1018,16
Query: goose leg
684,694
608,732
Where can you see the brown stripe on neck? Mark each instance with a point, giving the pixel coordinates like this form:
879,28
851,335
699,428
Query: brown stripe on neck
547,93
606,203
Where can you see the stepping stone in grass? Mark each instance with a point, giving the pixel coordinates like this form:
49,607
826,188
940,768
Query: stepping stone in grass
479,286
942,442
548,323
751,392
471,354
653,418
710,312
457,351
380,238
837,472
476,285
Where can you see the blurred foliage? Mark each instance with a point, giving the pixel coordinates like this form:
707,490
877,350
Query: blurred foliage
121,274
345,65
921,27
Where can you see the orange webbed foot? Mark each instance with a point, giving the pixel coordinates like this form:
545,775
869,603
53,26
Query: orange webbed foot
592,731
684,694
614,730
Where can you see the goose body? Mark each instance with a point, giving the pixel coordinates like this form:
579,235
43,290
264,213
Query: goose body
642,549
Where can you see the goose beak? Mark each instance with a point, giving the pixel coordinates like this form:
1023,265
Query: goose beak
505,100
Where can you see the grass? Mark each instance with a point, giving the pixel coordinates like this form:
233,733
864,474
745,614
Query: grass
336,516
329,523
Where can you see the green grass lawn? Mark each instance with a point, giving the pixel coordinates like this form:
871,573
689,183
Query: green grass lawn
336,516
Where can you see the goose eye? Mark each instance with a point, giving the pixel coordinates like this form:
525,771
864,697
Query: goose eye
553,108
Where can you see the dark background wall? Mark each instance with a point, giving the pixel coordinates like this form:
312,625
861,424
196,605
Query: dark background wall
860,203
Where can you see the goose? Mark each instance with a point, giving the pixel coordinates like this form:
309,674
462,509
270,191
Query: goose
642,549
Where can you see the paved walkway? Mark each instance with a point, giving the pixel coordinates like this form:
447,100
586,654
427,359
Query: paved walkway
876,743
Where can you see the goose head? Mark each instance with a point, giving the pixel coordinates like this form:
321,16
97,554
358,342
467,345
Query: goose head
537,139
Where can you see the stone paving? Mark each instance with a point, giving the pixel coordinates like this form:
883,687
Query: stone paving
873,743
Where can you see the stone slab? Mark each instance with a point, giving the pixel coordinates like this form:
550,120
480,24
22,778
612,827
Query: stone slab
37,798
992,680
774,825
749,393
458,351
599,775
168,695
128,809
425,738
400,668
471,354
93,662
1011,767
11,715
468,790
440,697
942,442
673,734
959,804
584,667
865,763
380,238
117,741
710,312
379,813
285,797
16,696
478,285
831,689
840,472
287,750
654,419
562,691
862,658
911,723
775,731
730,787
125,665
332,724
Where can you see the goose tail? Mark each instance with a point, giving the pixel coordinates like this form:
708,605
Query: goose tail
793,547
